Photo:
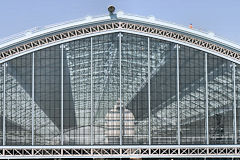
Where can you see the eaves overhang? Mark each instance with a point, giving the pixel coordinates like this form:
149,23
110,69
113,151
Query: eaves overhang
38,39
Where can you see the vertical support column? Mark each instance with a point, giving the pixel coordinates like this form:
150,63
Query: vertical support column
33,109
149,100
206,100
120,81
234,105
178,104
61,94
91,93
4,103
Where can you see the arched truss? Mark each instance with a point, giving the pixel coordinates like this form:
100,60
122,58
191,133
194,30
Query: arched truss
194,42
123,151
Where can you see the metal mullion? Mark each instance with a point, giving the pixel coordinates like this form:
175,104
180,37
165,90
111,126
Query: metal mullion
234,105
4,103
91,93
62,94
33,109
206,101
149,102
120,83
178,104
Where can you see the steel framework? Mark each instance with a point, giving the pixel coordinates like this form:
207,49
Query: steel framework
119,152
121,26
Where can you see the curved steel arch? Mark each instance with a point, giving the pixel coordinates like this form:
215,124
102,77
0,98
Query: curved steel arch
135,151
121,26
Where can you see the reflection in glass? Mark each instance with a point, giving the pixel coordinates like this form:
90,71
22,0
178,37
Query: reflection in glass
119,85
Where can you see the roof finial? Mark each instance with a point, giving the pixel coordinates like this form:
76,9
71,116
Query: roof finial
111,9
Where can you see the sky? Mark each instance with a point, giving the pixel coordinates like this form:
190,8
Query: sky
219,16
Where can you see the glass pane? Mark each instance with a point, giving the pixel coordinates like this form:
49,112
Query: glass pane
18,101
106,89
163,92
192,95
77,92
134,84
1,102
220,100
237,75
47,96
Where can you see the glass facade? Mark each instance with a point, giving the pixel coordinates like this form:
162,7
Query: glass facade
163,89
119,89
47,96
1,102
18,109
220,100
77,92
192,95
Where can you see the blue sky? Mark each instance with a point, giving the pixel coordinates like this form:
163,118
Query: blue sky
219,16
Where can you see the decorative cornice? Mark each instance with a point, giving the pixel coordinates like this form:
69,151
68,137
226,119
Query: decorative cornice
123,26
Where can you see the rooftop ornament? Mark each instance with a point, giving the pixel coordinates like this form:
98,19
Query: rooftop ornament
111,9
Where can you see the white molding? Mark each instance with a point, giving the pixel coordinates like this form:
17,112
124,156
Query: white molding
126,27
120,16
178,151
114,31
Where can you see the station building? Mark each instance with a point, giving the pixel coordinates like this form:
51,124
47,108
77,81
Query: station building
119,86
